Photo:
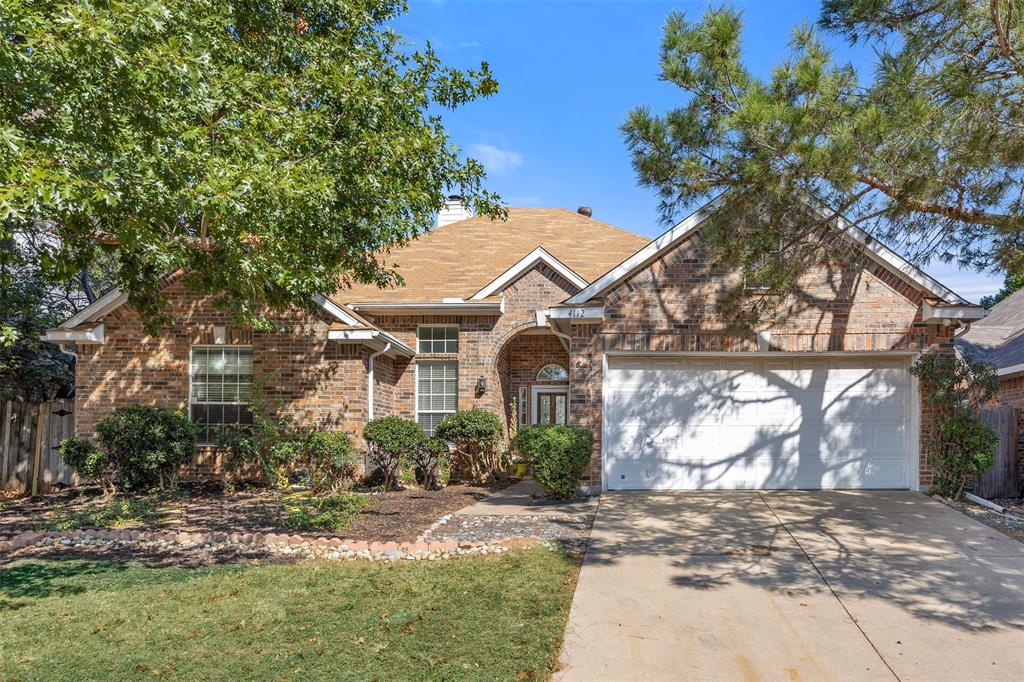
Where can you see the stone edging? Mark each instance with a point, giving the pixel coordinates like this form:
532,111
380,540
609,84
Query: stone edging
292,545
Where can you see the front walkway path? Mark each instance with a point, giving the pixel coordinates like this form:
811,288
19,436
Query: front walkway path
525,499
794,586
520,511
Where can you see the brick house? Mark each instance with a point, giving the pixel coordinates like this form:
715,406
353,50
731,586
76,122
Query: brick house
998,340
551,317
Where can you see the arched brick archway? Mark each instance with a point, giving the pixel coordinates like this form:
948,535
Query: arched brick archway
516,365
492,356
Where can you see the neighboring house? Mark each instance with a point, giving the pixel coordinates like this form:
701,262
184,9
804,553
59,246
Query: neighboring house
998,340
575,321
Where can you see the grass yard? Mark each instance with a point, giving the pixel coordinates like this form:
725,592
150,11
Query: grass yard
492,618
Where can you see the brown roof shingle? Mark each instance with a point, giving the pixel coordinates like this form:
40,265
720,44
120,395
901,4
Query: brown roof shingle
457,260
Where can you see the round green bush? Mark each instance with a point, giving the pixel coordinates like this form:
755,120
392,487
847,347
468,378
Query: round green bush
433,462
87,460
390,442
147,445
557,456
476,437
329,458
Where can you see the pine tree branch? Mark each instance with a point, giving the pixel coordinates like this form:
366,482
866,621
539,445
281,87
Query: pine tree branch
1011,223
1003,37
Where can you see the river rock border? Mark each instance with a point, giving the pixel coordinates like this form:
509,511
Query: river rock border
296,546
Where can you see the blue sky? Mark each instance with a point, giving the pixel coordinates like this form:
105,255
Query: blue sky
569,73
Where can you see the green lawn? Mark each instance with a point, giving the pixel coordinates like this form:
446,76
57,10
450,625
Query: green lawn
493,618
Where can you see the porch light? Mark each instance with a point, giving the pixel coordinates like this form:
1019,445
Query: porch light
481,384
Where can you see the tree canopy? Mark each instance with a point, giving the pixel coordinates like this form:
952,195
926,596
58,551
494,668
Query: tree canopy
269,150
30,368
925,151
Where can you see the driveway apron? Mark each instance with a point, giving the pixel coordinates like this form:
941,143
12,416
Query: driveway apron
794,586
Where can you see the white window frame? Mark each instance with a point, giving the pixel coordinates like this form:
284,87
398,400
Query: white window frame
458,341
416,393
553,364
191,395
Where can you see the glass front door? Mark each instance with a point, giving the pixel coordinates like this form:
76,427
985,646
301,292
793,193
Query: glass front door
551,408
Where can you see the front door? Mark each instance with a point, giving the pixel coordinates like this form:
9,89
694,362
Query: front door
551,407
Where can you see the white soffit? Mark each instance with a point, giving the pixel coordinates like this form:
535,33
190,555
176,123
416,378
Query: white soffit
95,334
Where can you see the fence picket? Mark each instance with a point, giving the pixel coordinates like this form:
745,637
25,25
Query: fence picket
24,423
1001,479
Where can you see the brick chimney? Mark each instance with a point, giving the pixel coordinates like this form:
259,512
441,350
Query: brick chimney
585,211
454,211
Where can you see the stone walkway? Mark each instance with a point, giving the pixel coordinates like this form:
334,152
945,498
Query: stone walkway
519,511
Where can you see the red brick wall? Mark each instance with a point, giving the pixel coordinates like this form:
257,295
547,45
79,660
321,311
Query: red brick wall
527,354
318,382
670,306
481,342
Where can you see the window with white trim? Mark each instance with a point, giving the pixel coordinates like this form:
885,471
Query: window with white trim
552,373
437,392
522,406
221,380
437,340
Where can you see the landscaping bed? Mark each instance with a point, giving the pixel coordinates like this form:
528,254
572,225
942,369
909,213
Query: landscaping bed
399,516
481,618
1013,527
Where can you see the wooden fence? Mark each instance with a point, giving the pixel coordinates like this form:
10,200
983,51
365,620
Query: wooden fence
1001,479
29,436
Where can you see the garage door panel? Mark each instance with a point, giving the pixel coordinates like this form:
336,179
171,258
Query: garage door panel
751,423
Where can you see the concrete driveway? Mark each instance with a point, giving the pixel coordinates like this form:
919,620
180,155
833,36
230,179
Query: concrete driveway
794,586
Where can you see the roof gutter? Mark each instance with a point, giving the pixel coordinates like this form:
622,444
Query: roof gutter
1010,369
932,313
490,307
375,338
96,334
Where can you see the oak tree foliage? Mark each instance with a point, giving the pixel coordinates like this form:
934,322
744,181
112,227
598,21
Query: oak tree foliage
270,150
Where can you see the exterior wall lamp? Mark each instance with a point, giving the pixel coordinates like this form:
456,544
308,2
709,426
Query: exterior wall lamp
481,385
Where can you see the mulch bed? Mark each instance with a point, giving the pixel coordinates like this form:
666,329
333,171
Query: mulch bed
1013,527
398,516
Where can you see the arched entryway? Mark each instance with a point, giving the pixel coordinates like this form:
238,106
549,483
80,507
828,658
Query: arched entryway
532,369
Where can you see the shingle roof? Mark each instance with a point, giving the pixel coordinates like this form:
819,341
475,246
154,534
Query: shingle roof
999,338
460,259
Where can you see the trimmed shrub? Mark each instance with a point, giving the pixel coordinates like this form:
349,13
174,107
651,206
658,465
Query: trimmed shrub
392,441
87,460
147,445
557,455
968,447
329,458
432,462
960,446
476,437
266,448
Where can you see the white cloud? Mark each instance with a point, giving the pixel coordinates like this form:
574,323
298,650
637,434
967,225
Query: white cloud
495,159
469,44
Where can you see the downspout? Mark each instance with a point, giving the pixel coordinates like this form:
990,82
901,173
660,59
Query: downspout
369,373
63,349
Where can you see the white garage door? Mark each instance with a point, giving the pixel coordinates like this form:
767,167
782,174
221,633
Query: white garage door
713,422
